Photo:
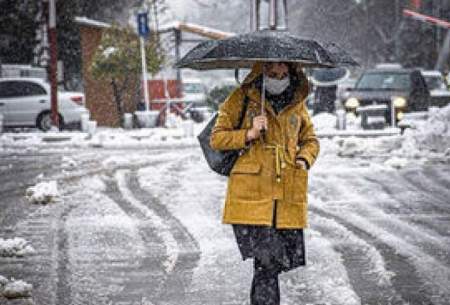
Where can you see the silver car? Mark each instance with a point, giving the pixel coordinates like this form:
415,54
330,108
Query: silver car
25,102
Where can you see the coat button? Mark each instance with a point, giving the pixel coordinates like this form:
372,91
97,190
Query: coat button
283,165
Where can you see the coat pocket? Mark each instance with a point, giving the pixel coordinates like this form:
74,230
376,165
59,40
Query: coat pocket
245,182
297,186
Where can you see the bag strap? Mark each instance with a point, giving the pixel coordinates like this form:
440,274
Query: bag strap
243,111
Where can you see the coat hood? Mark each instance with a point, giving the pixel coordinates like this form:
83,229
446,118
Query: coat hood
300,93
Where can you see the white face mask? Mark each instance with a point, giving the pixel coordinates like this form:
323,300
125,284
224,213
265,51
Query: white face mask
276,86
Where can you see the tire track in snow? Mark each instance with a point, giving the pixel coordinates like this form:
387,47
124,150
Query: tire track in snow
355,205
357,197
412,267
403,271
428,184
164,232
147,272
106,252
365,265
180,277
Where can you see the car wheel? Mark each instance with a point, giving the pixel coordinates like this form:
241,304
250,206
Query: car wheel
44,121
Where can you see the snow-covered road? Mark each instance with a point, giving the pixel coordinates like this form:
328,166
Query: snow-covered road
143,226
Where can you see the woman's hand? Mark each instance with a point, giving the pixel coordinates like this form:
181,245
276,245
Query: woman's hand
259,123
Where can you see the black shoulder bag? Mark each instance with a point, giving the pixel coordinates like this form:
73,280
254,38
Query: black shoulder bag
220,161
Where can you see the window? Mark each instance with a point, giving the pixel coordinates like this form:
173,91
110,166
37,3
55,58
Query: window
10,89
29,89
193,88
384,81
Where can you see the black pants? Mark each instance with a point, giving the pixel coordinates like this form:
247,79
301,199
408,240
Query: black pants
265,289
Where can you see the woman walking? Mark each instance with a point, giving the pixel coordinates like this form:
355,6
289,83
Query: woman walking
266,200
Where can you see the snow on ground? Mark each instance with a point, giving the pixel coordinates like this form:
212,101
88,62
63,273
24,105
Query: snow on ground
181,133
196,199
324,121
67,163
102,237
432,135
429,138
43,193
366,207
15,247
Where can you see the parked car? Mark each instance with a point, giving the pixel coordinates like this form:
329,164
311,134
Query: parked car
25,102
439,92
406,89
194,91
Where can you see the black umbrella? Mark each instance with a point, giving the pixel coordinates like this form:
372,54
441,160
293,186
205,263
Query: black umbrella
242,51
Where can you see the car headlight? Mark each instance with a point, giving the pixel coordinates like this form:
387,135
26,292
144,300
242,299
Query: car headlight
352,102
399,102
400,115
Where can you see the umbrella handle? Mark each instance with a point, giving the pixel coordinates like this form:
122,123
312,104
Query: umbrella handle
262,132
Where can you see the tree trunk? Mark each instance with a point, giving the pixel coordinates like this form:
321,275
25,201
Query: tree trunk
118,99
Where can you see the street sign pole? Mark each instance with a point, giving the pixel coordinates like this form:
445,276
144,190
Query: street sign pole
144,31
144,74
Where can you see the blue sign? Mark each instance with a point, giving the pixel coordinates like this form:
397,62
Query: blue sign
142,24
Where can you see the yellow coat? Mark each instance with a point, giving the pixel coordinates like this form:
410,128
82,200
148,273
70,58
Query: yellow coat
266,172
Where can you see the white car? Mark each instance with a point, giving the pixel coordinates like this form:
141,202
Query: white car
25,102
194,91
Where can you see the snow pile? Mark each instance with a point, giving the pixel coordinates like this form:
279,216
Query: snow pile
15,247
351,147
324,121
15,288
353,121
396,162
428,136
68,163
3,281
43,192
435,134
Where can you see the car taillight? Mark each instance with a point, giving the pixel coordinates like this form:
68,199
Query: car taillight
77,99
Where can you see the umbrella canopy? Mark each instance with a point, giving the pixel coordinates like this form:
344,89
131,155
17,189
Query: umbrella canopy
242,51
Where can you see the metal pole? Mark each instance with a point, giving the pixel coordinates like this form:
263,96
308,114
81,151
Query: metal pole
178,39
166,95
444,54
144,74
392,113
254,15
286,19
273,15
53,62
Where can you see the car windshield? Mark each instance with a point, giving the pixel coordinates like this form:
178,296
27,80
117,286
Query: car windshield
434,82
192,88
384,81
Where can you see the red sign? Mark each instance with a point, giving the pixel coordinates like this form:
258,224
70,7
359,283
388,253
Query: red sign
426,18
416,4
